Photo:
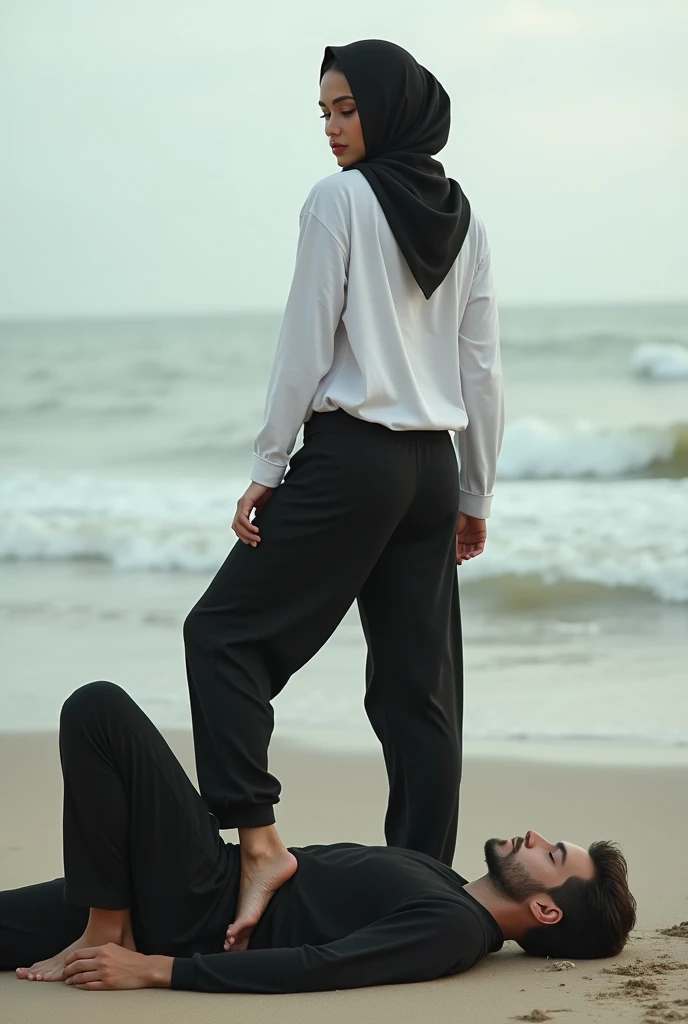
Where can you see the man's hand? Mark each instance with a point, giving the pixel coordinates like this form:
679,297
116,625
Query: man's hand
255,496
101,968
471,535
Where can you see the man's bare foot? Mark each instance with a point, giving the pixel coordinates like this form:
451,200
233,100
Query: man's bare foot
263,871
52,969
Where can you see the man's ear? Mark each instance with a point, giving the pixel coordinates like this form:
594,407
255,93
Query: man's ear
544,910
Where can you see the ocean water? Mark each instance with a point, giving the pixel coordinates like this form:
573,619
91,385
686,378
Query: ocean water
125,443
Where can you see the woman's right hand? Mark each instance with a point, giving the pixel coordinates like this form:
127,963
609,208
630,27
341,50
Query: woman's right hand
255,496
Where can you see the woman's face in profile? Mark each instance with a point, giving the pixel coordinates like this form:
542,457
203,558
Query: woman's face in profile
342,123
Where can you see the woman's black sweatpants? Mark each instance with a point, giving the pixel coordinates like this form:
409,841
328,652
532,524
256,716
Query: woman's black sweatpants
136,834
369,514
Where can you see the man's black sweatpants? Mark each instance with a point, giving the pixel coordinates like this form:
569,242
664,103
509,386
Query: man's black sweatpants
136,834
369,514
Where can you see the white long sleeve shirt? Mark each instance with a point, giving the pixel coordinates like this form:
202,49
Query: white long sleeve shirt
359,335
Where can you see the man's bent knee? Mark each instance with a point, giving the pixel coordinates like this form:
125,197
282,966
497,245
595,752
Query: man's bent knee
93,696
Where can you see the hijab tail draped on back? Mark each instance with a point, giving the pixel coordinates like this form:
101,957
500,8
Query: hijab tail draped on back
405,117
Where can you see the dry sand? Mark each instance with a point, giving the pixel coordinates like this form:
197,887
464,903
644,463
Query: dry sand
335,798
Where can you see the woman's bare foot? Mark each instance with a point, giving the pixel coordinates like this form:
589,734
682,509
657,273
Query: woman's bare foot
52,969
266,865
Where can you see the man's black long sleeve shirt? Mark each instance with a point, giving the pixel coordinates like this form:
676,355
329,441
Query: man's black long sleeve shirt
353,916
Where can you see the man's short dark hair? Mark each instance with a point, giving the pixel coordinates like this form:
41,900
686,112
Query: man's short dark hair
598,912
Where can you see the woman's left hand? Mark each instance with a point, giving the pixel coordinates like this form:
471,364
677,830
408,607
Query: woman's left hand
99,968
255,496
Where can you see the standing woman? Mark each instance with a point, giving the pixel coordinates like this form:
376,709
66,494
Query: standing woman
389,341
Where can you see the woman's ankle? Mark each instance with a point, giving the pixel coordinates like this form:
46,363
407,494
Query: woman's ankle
262,841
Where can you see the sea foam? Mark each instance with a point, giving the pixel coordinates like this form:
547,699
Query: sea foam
660,362
536,449
631,535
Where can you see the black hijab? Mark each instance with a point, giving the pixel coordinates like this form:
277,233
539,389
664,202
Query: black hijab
404,113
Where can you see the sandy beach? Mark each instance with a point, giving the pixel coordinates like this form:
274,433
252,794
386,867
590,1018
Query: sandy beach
641,807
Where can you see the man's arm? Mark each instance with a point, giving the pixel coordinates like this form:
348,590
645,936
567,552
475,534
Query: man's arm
423,938
481,385
159,971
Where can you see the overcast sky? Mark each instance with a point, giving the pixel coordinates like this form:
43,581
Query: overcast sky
156,153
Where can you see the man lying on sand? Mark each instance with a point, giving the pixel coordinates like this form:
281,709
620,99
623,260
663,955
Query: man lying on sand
149,886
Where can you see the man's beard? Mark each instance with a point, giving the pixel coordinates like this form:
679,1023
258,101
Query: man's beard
509,877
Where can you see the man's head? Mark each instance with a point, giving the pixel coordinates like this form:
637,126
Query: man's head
573,902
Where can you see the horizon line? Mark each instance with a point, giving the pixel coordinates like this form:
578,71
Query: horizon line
208,314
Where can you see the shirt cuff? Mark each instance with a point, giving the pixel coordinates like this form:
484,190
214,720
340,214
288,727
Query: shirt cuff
266,473
183,973
478,506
